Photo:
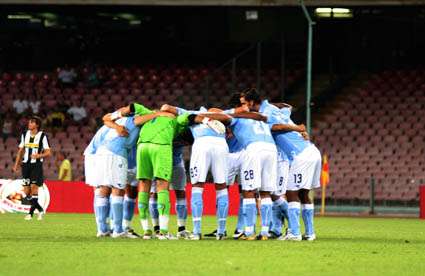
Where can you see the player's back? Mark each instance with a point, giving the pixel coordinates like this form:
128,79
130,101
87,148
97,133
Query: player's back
160,130
248,131
291,143
108,138
200,130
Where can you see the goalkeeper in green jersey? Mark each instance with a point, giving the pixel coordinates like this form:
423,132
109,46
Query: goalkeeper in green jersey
154,159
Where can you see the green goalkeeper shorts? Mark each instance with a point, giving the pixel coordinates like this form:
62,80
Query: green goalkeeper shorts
154,161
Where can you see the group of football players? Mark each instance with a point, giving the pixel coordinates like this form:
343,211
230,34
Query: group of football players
138,154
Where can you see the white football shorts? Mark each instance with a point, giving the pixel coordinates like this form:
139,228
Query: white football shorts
209,154
105,169
259,167
234,161
305,170
282,176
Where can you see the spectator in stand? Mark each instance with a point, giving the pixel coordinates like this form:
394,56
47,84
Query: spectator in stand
34,104
64,166
7,127
21,123
93,79
20,104
67,76
77,111
56,120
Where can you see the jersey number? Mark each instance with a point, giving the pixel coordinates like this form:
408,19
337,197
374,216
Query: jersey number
298,178
194,171
260,128
280,181
249,174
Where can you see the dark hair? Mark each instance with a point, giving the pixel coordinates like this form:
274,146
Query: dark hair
37,121
252,95
235,99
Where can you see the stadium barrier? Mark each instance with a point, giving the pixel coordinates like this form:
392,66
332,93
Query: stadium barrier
77,197
422,201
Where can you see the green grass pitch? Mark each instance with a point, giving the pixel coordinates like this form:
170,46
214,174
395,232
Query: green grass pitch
65,244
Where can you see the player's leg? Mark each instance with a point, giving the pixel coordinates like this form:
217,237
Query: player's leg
250,214
268,186
240,225
178,184
219,154
144,174
101,207
163,208
199,165
94,177
162,171
153,207
37,179
241,218
294,207
26,174
280,205
307,213
117,202
276,225
143,204
250,182
313,181
129,201
301,176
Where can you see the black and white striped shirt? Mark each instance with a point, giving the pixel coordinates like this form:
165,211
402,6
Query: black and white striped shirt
32,145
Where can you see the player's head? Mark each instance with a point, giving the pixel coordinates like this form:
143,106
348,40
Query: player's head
61,155
251,99
235,100
34,123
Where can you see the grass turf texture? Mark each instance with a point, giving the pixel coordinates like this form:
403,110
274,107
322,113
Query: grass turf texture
65,244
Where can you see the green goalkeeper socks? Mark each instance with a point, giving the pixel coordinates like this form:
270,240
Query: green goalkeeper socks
144,209
164,210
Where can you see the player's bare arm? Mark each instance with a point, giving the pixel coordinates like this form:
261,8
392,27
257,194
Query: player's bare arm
18,160
121,130
169,108
250,115
224,118
288,127
121,112
239,109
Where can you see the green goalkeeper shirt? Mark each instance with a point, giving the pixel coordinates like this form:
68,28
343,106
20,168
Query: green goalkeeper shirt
161,130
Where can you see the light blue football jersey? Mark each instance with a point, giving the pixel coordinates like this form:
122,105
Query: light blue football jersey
233,144
131,158
109,138
249,131
291,143
199,130
177,154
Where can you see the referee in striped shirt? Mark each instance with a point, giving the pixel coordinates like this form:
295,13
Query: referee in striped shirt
34,146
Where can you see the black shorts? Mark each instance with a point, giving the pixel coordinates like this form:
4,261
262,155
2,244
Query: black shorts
32,173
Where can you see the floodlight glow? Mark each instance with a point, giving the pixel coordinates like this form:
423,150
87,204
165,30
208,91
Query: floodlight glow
340,10
251,15
334,12
135,22
19,16
323,10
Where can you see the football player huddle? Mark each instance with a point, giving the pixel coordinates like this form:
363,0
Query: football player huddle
138,153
